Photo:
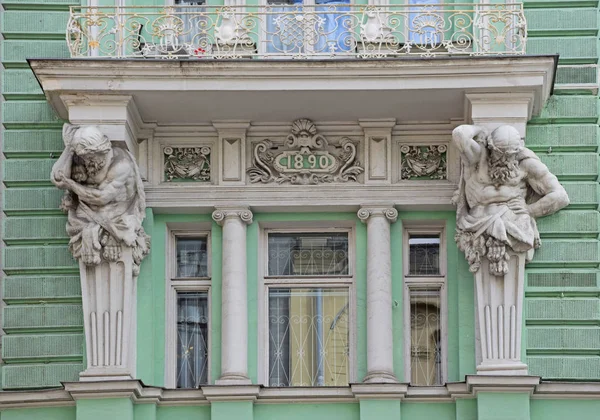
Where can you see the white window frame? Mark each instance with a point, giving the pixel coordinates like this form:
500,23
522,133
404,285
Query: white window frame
432,282
187,284
345,282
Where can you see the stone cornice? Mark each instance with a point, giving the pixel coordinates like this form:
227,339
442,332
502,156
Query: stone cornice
140,393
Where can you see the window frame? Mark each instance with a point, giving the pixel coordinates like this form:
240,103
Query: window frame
342,282
436,282
175,285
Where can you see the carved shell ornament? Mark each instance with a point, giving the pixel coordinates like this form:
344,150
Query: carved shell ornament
305,158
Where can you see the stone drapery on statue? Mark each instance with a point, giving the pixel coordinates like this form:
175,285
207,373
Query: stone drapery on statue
503,188
104,197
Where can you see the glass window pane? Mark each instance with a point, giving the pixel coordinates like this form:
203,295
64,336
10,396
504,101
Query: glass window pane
424,255
308,254
309,332
192,339
192,257
425,338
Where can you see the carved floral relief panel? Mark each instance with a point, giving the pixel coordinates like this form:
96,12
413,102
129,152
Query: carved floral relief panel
305,157
183,164
423,162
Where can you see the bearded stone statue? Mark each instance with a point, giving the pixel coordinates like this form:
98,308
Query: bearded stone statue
503,188
104,197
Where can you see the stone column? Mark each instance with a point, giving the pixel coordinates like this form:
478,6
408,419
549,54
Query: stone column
234,310
380,358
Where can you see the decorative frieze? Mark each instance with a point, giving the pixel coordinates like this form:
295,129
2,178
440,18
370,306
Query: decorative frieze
305,158
187,163
423,162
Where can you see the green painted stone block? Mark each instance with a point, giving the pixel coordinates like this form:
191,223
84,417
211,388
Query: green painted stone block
32,198
190,412
572,165
41,413
576,75
562,280
49,346
425,411
105,408
332,411
561,409
503,406
570,108
33,141
562,19
562,136
565,338
46,287
28,169
17,22
20,82
39,375
582,48
557,309
582,193
50,227
43,2
40,258
565,367
29,112
570,222
17,51
42,316
566,252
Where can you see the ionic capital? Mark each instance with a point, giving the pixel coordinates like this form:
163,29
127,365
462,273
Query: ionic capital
390,213
242,213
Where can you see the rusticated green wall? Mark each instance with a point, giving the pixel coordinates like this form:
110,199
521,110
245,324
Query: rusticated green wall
562,307
42,318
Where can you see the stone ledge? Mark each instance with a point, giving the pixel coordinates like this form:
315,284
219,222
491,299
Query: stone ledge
142,394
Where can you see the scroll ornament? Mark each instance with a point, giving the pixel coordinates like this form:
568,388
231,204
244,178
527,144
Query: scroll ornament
305,158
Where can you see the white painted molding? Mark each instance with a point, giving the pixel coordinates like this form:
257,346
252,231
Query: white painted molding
232,151
413,195
237,86
140,393
117,116
492,110
377,150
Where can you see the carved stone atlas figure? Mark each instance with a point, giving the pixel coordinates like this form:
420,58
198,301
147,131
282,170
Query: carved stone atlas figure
503,188
104,197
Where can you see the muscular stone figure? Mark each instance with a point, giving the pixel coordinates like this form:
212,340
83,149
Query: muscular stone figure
504,187
104,197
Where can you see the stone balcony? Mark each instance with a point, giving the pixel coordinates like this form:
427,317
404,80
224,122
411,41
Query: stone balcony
323,31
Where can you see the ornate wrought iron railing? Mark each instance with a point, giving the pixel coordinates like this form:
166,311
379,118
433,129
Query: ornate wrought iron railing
329,30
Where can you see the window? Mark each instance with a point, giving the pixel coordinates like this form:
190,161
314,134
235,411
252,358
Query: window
308,290
188,309
427,22
425,304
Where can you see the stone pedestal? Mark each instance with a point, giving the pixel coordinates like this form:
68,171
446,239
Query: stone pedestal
109,310
500,317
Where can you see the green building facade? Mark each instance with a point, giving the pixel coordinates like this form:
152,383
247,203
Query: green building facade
43,341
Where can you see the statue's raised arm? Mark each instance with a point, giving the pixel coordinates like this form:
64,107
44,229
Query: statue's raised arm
463,137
